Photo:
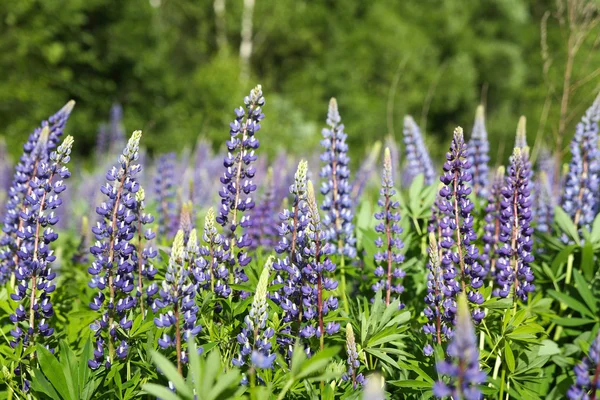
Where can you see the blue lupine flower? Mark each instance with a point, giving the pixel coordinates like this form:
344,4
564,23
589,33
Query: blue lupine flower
237,181
364,173
462,271
388,257
353,361
255,338
478,150
164,189
113,269
417,156
263,230
491,229
37,149
581,184
463,371
587,375
545,203
514,255
34,275
178,312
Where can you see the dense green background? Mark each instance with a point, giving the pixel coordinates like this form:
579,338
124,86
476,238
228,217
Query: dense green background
162,62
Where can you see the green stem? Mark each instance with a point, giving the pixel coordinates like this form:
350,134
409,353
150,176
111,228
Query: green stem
502,384
343,283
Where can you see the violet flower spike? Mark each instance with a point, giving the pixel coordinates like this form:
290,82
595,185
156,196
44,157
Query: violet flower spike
164,189
417,155
491,229
263,230
587,375
463,372
353,360
388,258
144,253
478,150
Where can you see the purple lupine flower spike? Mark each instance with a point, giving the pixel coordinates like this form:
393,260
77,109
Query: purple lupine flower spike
545,203
178,312
492,227
113,268
582,180
587,375
255,339
335,186
353,361
462,270
289,266
478,149
439,325
462,372
237,181
388,258
164,188
116,132
34,275
514,252
144,253
417,156
364,173
390,143
263,230
41,142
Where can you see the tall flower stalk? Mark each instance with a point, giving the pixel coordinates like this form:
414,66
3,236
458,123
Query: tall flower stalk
462,271
237,181
513,274
264,224
417,155
34,275
478,150
178,310
353,361
164,188
113,268
210,271
40,144
388,257
335,186
491,229
462,372
587,375
144,253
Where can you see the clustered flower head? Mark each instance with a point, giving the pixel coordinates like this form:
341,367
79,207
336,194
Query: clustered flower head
514,252
255,338
462,372
462,271
417,156
388,257
164,189
478,150
492,218
353,361
263,230
587,375
210,269
176,305
582,180
40,144
34,275
237,180
113,269
335,186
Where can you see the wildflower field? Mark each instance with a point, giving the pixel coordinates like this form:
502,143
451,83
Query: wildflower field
221,275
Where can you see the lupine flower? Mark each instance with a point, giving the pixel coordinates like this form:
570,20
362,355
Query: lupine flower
186,219
315,283
164,189
34,274
335,186
514,253
353,362
210,270
390,143
113,269
478,150
364,173
255,338
581,185
102,140
545,203
547,163
417,156
36,150
144,253
587,375
388,257
237,181
462,271
117,132
178,309
439,310
463,370
5,168
491,229
263,230
289,266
